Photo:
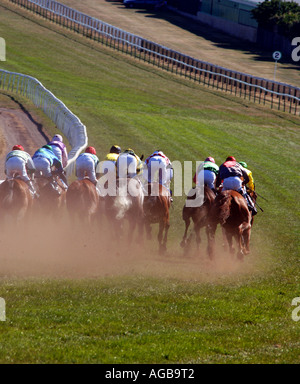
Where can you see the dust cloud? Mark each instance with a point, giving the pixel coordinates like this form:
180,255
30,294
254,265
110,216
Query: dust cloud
60,248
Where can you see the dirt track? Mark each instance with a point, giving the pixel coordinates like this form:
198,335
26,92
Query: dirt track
18,126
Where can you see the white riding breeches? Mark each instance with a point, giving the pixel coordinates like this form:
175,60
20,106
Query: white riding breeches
42,164
158,171
14,165
234,183
85,167
126,166
207,177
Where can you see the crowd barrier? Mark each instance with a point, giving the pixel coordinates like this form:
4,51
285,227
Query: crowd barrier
69,124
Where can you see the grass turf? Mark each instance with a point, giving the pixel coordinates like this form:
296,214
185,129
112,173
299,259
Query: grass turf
149,319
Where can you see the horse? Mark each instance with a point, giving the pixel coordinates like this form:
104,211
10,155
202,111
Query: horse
82,201
124,202
198,213
157,204
230,210
15,200
51,199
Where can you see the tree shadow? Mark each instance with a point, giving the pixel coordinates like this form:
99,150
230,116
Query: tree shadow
38,125
218,38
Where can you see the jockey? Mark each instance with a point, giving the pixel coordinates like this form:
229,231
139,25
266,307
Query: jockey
159,167
128,164
111,158
86,165
207,173
251,184
234,176
60,151
44,160
19,161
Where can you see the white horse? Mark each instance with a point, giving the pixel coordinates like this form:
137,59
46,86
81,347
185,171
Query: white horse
126,204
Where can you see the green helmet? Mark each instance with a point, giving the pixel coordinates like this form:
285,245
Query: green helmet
243,164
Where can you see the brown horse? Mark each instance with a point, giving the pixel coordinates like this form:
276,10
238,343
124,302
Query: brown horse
157,204
51,199
15,200
82,201
230,210
198,213
124,202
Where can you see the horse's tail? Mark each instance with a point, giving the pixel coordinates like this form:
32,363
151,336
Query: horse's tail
8,199
122,204
223,204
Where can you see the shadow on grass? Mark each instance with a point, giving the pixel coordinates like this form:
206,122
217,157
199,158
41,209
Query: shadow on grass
219,38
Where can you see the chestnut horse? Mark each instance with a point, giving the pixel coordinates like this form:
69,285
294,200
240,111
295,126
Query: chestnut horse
157,204
198,212
230,210
15,200
50,200
82,201
124,202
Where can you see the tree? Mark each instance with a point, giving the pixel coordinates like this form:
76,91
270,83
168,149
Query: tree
285,15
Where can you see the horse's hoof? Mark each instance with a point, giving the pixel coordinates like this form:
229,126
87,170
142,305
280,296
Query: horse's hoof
182,244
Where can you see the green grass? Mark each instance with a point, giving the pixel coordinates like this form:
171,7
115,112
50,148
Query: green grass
145,318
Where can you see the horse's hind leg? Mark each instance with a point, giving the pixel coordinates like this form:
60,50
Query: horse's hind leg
229,240
240,244
163,235
183,241
167,226
246,238
198,237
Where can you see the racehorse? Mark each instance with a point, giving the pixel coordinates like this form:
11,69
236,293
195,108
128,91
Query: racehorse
82,201
51,198
198,212
15,200
124,202
157,202
230,210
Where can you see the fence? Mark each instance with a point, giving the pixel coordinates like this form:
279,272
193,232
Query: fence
263,91
62,117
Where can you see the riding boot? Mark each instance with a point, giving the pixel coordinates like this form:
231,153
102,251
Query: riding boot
63,184
32,190
251,205
54,185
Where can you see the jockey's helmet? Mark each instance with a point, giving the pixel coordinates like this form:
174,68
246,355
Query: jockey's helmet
90,150
130,151
48,147
115,149
211,159
243,164
18,147
230,158
57,137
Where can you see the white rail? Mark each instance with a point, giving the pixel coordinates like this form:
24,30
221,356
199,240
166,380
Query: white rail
62,117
